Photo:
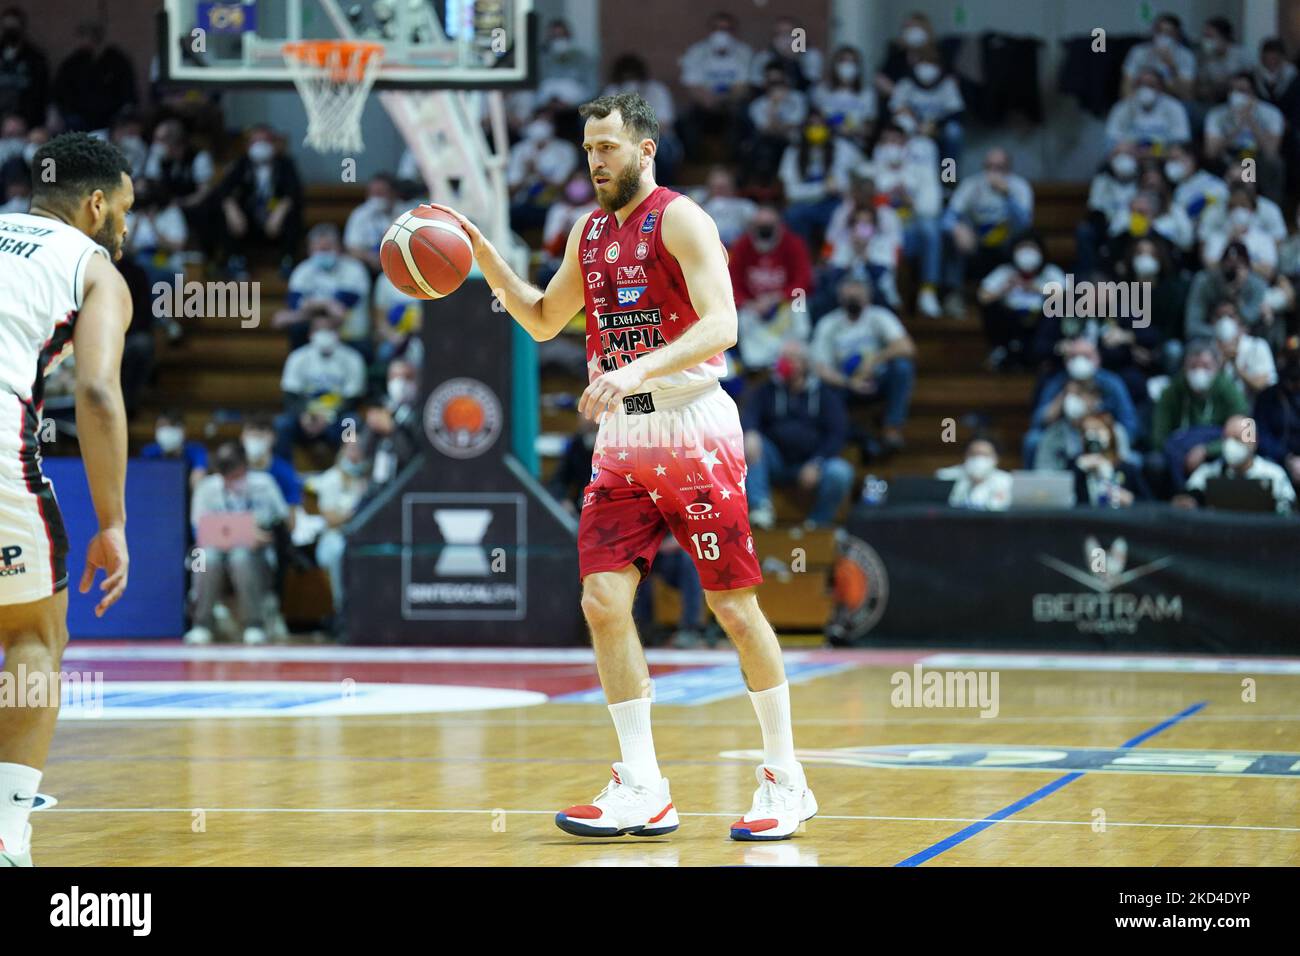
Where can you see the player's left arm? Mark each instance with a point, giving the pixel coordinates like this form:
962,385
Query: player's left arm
691,237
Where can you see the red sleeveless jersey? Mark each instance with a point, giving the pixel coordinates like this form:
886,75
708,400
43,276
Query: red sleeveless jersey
635,293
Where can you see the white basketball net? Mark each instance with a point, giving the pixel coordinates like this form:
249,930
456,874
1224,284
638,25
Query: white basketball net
334,79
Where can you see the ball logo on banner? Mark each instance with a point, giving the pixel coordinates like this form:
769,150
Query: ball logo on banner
861,587
462,418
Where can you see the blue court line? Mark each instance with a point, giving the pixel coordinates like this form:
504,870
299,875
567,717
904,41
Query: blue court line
961,836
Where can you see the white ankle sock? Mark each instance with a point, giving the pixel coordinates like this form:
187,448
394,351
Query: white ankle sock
632,721
773,709
21,783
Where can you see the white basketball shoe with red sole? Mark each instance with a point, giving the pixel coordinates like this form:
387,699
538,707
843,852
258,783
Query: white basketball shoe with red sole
781,803
626,805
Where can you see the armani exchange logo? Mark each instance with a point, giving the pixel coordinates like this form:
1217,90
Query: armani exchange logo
1104,608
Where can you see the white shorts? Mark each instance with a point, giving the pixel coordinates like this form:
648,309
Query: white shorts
33,545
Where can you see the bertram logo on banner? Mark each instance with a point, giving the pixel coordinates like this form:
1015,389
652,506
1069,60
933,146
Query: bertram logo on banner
462,418
1103,608
463,556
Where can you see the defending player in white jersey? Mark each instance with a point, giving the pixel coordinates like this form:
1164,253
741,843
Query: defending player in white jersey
58,291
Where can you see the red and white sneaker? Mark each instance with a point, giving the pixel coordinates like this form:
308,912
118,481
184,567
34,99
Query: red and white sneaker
781,802
626,805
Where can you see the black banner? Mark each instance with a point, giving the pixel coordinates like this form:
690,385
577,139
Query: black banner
1151,578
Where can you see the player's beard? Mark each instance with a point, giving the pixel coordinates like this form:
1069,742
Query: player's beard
110,237
623,186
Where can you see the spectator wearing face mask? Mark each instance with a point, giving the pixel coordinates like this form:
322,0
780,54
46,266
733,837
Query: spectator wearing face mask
1246,358
156,232
978,483
566,72
538,167
1102,477
1082,364
928,103
1246,126
24,72
1242,224
1238,459
1218,61
258,441
1148,119
907,177
864,349
815,174
186,172
770,267
330,281
846,97
803,66
170,443
1165,55
795,428
1157,347
1232,280
1277,415
260,198
1011,302
715,72
576,200
1195,190
322,382
1111,190
776,116
367,223
631,74
234,488
1275,79
865,249
339,490
915,36
986,213
1191,412
731,213
393,431
1150,213
126,132
1062,440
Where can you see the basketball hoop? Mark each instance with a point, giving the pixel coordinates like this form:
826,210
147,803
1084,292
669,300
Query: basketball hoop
334,77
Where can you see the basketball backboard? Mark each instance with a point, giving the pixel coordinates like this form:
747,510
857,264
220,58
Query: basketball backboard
427,43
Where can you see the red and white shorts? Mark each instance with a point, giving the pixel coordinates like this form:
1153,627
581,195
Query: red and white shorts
670,462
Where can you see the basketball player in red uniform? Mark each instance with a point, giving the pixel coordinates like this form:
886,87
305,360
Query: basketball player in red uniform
651,272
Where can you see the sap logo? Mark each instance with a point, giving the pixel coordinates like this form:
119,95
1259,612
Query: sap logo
596,226
595,278
631,274
631,295
650,220
589,256
9,563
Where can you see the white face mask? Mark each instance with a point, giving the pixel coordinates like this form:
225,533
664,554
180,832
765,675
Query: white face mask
325,339
255,446
261,151
1027,259
891,154
1238,100
1123,165
1235,452
1164,41
1200,378
1240,217
980,467
906,123
538,131
915,36
1145,265
1176,170
1225,329
720,39
1146,96
1210,46
1075,407
29,152
846,71
1081,368
927,73
400,390
561,45
169,437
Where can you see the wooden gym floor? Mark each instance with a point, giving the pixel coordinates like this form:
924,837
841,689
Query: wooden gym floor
1212,779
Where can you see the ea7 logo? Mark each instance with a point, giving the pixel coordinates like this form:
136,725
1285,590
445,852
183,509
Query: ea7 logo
589,256
631,295
631,274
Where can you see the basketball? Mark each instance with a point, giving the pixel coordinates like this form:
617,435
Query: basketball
426,254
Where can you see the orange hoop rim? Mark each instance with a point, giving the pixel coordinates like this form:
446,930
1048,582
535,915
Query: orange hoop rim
341,57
